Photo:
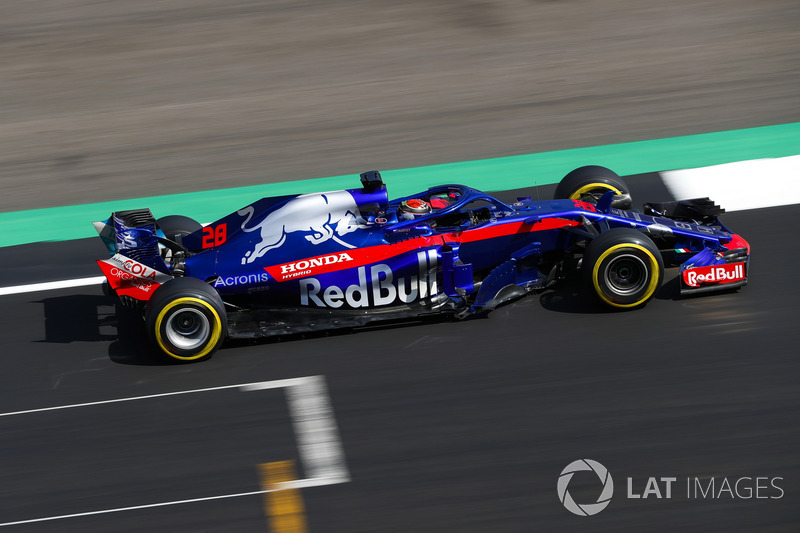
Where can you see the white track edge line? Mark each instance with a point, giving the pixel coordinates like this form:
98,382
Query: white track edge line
260,385
300,483
52,285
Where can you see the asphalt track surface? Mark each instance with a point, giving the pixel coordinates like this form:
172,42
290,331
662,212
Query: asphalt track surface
445,426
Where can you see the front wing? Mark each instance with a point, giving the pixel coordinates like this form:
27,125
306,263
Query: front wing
711,270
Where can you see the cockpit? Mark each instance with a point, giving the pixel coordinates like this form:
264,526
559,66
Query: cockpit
445,208
428,203
448,208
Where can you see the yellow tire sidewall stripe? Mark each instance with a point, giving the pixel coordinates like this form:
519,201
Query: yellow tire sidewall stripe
651,288
590,186
216,328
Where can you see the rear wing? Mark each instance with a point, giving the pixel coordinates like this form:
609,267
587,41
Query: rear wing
135,268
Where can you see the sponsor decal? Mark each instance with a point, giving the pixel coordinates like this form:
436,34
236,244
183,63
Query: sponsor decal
135,268
127,239
310,266
586,206
727,273
127,280
375,254
243,279
321,217
626,214
131,278
660,225
131,238
375,288
138,290
691,227
127,276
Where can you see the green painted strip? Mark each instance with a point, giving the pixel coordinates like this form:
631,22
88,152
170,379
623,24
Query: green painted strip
74,222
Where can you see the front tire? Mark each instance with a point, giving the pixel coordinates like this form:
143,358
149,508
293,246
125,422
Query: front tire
623,268
186,320
589,183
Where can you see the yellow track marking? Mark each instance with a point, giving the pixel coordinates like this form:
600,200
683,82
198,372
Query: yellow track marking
284,508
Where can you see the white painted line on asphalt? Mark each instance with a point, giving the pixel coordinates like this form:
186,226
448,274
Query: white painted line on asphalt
135,507
289,485
742,185
264,385
315,428
52,285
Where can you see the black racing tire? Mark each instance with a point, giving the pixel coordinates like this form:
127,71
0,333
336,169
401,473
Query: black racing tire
177,226
589,183
186,320
623,268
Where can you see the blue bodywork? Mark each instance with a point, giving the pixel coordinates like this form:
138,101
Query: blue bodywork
345,258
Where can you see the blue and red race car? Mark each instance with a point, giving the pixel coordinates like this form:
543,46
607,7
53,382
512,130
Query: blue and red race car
345,258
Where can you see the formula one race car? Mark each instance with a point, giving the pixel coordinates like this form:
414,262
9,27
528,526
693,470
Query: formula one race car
346,258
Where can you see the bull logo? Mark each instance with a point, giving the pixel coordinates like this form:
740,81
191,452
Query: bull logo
127,239
323,216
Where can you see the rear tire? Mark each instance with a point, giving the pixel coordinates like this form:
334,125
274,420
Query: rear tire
186,320
623,268
589,183
175,227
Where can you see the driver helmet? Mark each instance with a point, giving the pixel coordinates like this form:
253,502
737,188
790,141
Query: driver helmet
415,207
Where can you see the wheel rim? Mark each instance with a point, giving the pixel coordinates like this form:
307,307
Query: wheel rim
187,329
626,274
592,192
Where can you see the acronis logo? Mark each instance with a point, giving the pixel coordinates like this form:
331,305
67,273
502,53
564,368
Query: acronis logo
244,279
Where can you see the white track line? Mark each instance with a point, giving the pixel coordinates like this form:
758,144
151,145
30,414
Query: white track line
752,184
312,418
52,285
315,427
136,507
289,485
277,384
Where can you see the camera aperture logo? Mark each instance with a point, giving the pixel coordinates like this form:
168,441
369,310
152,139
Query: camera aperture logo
586,509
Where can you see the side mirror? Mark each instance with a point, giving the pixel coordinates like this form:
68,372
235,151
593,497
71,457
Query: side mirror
617,201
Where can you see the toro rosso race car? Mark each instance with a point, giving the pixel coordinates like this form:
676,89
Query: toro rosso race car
345,258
